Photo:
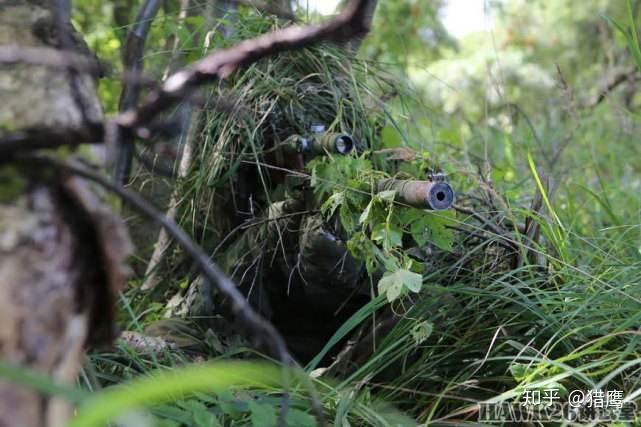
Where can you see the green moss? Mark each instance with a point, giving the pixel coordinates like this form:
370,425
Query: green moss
12,184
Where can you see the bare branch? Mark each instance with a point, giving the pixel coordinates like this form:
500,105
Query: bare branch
368,16
13,54
40,138
351,23
134,63
614,81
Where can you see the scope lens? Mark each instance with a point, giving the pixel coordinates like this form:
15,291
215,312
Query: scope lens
344,144
440,197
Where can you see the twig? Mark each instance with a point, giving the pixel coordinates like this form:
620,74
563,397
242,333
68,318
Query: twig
45,137
49,57
134,63
614,81
351,23
368,16
492,227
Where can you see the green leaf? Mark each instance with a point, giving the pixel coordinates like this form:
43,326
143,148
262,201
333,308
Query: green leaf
389,236
202,417
390,137
296,417
433,227
392,284
335,200
421,331
440,235
412,281
387,195
262,415
366,213
420,231
520,371
410,215
348,218
390,287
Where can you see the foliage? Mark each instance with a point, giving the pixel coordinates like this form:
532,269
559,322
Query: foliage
630,33
406,29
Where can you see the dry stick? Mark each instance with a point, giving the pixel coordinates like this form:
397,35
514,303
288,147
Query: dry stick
369,9
131,90
629,75
46,137
222,63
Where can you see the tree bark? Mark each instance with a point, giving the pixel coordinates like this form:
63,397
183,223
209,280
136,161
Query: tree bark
62,253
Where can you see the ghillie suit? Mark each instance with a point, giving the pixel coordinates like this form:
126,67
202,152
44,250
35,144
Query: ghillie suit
308,236
248,197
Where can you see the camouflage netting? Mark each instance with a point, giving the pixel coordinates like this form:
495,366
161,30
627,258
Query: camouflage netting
246,200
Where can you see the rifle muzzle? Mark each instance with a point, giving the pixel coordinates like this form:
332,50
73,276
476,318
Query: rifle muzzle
434,195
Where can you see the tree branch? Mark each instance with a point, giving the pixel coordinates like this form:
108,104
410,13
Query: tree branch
45,137
614,81
131,90
54,58
351,23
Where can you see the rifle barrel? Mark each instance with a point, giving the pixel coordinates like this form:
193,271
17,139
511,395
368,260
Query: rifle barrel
434,195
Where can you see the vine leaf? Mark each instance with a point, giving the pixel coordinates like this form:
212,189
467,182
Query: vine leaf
421,331
431,227
392,284
262,415
388,235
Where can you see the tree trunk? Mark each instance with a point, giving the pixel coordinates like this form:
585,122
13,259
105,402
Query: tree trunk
61,251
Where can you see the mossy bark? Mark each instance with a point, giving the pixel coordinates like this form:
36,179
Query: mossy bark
56,270
37,96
